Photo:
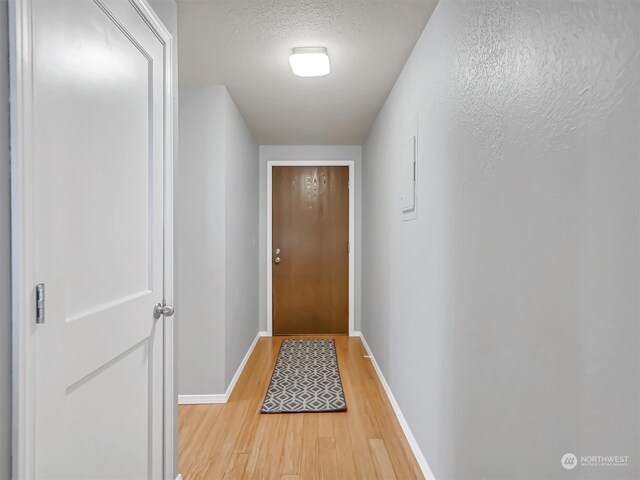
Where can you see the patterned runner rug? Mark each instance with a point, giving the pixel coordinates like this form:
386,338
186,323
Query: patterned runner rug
305,379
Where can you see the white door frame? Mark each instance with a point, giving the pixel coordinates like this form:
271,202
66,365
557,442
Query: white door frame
21,94
352,229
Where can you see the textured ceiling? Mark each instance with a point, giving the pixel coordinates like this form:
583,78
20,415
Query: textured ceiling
245,45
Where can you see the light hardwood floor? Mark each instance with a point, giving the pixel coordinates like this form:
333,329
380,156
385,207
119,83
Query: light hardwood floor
235,441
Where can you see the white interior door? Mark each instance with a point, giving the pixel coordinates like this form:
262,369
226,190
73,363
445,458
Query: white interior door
93,235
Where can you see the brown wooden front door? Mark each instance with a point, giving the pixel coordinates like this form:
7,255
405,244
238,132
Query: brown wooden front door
310,250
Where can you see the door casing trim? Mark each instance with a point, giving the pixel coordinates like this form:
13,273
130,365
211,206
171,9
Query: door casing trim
21,121
352,229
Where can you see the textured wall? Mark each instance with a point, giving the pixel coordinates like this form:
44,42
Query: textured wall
505,318
306,153
5,253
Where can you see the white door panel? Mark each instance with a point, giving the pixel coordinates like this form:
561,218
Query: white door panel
95,197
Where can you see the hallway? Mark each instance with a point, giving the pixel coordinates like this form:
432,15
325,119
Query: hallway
454,184
234,441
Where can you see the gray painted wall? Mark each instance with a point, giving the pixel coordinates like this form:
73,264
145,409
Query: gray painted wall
217,226
5,253
306,153
200,241
505,318
241,234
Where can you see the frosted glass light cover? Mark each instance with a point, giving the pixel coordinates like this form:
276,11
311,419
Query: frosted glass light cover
310,62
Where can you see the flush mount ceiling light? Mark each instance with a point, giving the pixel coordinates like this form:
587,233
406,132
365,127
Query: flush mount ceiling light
310,61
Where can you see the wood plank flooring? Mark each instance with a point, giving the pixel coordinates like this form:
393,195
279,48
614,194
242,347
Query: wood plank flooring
235,441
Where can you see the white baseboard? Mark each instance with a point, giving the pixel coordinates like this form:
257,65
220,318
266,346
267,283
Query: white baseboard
235,378
198,399
264,333
221,397
422,461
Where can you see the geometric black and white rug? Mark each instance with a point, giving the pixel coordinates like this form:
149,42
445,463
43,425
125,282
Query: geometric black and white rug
306,378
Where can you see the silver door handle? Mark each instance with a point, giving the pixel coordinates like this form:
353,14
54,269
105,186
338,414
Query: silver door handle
159,310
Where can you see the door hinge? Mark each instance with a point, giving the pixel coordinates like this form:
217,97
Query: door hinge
40,303
348,247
